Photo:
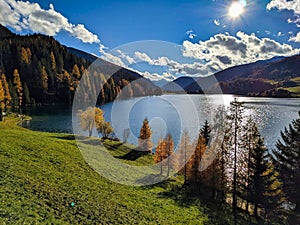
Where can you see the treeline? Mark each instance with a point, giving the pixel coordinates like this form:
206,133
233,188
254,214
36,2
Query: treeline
50,73
230,163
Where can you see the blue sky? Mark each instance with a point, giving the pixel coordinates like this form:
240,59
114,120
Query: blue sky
196,26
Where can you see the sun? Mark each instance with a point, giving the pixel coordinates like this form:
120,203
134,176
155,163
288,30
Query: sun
236,9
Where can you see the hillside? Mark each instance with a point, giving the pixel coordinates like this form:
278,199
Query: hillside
52,72
278,77
48,182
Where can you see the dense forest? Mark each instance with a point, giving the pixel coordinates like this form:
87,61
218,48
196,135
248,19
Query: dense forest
38,69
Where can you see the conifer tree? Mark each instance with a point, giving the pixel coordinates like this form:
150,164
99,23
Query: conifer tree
26,95
169,149
287,160
76,72
144,142
264,185
14,95
7,96
160,154
205,131
44,79
1,100
18,86
53,62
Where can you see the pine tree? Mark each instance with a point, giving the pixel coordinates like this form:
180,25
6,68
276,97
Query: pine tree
53,62
205,131
14,95
26,95
18,87
264,185
287,160
144,142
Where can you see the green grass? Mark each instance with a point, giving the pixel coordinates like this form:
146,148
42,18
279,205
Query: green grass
42,174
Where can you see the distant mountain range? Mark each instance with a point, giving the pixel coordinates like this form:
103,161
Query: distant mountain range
277,77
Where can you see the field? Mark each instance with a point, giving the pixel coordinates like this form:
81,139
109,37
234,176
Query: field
45,180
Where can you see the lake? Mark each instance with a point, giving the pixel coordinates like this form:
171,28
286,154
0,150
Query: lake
171,113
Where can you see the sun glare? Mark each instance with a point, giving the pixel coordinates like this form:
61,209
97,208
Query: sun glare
236,9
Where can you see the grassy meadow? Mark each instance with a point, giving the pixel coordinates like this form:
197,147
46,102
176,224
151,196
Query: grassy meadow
45,180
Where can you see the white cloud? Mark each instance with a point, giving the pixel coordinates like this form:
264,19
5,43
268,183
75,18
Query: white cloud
156,77
30,16
292,5
191,34
217,22
295,38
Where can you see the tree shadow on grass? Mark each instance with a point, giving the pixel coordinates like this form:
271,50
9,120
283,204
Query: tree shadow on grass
132,155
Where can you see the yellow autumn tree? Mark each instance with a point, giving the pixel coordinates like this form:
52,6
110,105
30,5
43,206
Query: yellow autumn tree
159,154
2,102
90,118
76,72
7,96
144,142
44,78
18,86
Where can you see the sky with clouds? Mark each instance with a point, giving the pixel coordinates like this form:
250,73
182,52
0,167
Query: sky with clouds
189,37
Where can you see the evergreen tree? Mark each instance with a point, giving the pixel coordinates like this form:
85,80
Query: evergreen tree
205,131
18,87
287,160
144,142
26,95
264,185
14,95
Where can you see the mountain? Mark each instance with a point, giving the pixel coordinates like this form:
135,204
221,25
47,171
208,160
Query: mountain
278,77
51,72
178,85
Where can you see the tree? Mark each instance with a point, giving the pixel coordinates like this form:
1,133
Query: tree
169,150
183,154
235,119
264,185
7,96
90,118
144,142
159,154
2,104
104,128
53,62
205,131
126,134
18,87
44,79
26,95
76,72
286,158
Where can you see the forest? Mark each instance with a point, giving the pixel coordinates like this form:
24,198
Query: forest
37,69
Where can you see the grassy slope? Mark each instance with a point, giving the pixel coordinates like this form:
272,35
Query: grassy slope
41,174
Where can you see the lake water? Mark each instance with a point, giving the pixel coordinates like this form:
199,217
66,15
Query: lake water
171,113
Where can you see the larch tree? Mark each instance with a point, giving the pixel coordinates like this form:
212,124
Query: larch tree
160,154
2,102
286,157
18,87
90,118
53,62
169,150
44,79
76,72
235,118
104,128
7,96
183,154
145,142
